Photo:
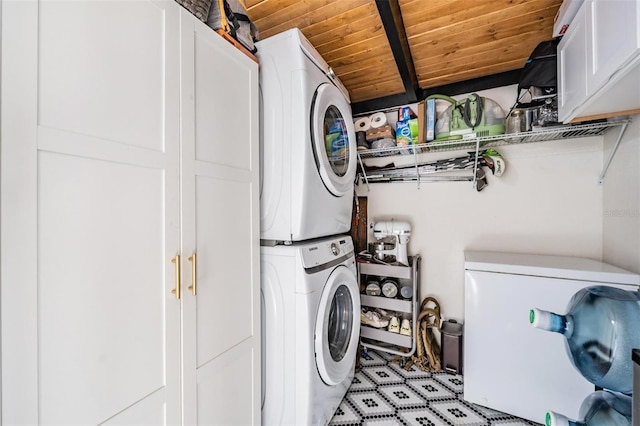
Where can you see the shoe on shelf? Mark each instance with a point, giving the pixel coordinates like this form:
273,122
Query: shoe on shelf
383,314
394,325
406,327
373,319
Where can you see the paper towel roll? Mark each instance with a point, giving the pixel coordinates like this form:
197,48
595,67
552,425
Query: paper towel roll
378,119
363,124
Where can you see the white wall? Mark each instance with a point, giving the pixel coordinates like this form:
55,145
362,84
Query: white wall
548,201
621,208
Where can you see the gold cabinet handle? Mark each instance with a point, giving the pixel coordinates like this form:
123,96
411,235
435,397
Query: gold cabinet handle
194,280
177,290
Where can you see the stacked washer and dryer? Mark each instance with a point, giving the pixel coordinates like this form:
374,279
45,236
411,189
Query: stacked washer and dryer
310,296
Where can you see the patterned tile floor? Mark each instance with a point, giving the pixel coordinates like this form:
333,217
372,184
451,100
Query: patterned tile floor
384,394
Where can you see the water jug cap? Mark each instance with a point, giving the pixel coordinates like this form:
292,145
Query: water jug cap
540,319
554,419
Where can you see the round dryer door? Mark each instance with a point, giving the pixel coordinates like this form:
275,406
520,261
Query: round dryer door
333,139
337,326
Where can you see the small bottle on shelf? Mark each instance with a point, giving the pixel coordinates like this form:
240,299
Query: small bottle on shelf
406,292
389,288
373,288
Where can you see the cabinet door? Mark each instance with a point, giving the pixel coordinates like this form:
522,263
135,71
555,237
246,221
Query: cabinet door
572,62
220,223
614,37
90,213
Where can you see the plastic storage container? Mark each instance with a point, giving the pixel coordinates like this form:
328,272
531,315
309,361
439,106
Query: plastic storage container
601,329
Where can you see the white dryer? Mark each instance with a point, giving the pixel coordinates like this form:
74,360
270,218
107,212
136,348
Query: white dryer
308,147
310,329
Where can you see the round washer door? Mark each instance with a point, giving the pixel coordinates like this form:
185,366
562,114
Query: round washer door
337,326
333,139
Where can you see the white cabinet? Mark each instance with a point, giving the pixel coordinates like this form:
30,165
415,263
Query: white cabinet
599,61
572,63
614,35
220,223
110,169
90,213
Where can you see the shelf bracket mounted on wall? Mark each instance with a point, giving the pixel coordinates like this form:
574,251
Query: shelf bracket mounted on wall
613,153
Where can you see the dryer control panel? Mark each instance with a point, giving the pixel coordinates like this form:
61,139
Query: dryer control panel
326,251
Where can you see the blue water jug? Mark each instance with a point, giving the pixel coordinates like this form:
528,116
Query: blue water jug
601,326
601,408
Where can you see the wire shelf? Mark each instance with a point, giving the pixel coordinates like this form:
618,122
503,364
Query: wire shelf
546,134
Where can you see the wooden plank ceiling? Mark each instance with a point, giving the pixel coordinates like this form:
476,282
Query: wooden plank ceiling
436,43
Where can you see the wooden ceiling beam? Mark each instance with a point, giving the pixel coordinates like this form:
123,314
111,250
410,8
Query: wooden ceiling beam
391,17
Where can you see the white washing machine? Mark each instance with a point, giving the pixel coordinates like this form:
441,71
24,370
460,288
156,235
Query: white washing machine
508,364
310,329
308,146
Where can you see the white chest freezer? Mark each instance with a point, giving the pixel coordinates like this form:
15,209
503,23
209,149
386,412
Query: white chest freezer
509,365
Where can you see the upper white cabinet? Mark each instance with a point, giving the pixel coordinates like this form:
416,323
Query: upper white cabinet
572,63
599,60
613,31
129,168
